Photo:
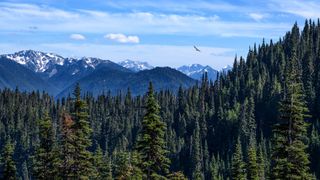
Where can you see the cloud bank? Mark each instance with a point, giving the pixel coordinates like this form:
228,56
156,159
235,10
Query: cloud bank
18,17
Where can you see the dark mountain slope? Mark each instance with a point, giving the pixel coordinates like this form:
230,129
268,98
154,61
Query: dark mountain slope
72,72
104,79
14,75
163,78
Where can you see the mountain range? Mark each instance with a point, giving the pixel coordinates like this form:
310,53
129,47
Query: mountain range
195,71
34,70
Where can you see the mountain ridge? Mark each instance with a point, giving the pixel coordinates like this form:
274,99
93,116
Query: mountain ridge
58,75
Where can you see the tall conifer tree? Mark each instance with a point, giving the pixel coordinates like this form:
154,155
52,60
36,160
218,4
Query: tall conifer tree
252,165
9,170
83,157
45,158
238,166
290,160
151,144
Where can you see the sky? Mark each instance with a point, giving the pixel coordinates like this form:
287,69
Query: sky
160,32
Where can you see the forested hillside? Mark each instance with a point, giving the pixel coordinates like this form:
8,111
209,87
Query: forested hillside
258,121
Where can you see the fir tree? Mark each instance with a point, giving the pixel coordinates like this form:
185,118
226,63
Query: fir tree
9,170
238,166
82,166
290,160
252,166
102,165
197,171
67,148
215,169
45,158
151,144
261,163
126,166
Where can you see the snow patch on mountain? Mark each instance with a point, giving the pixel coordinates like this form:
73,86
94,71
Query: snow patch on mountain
135,65
53,72
36,60
196,71
41,62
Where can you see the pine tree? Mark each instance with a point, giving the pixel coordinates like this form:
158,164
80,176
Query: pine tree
261,163
126,166
252,166
197,173
151,144
83,157
45,158
238,166
102,165
8,166
215,168
247,121
67,148
177,176
290,160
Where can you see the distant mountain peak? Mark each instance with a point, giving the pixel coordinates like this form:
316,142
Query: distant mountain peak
92,62
41,62
36,60
196,71
226,68
135,65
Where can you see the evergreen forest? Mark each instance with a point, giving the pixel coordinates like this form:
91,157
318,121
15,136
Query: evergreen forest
260,120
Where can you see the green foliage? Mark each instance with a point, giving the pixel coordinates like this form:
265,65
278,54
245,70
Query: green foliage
46,156
8,166
177,176
82,167
289,150
126,166
196,154
102,165
252,165
67,148
238,166
215,169
151,144
261,164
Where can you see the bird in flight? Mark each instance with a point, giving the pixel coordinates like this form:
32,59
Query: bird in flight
196,49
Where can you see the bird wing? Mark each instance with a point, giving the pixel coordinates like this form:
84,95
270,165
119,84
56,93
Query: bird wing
196,48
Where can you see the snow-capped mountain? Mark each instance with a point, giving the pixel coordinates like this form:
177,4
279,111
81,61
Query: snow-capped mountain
226,69
92,62
196,71
135,65
34,70
41,62
36,60
191,69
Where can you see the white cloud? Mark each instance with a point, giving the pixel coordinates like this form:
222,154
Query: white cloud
257,16
77,37
172,6
17,17
306,9
122,38
20,10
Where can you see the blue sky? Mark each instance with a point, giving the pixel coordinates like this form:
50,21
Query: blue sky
160,32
